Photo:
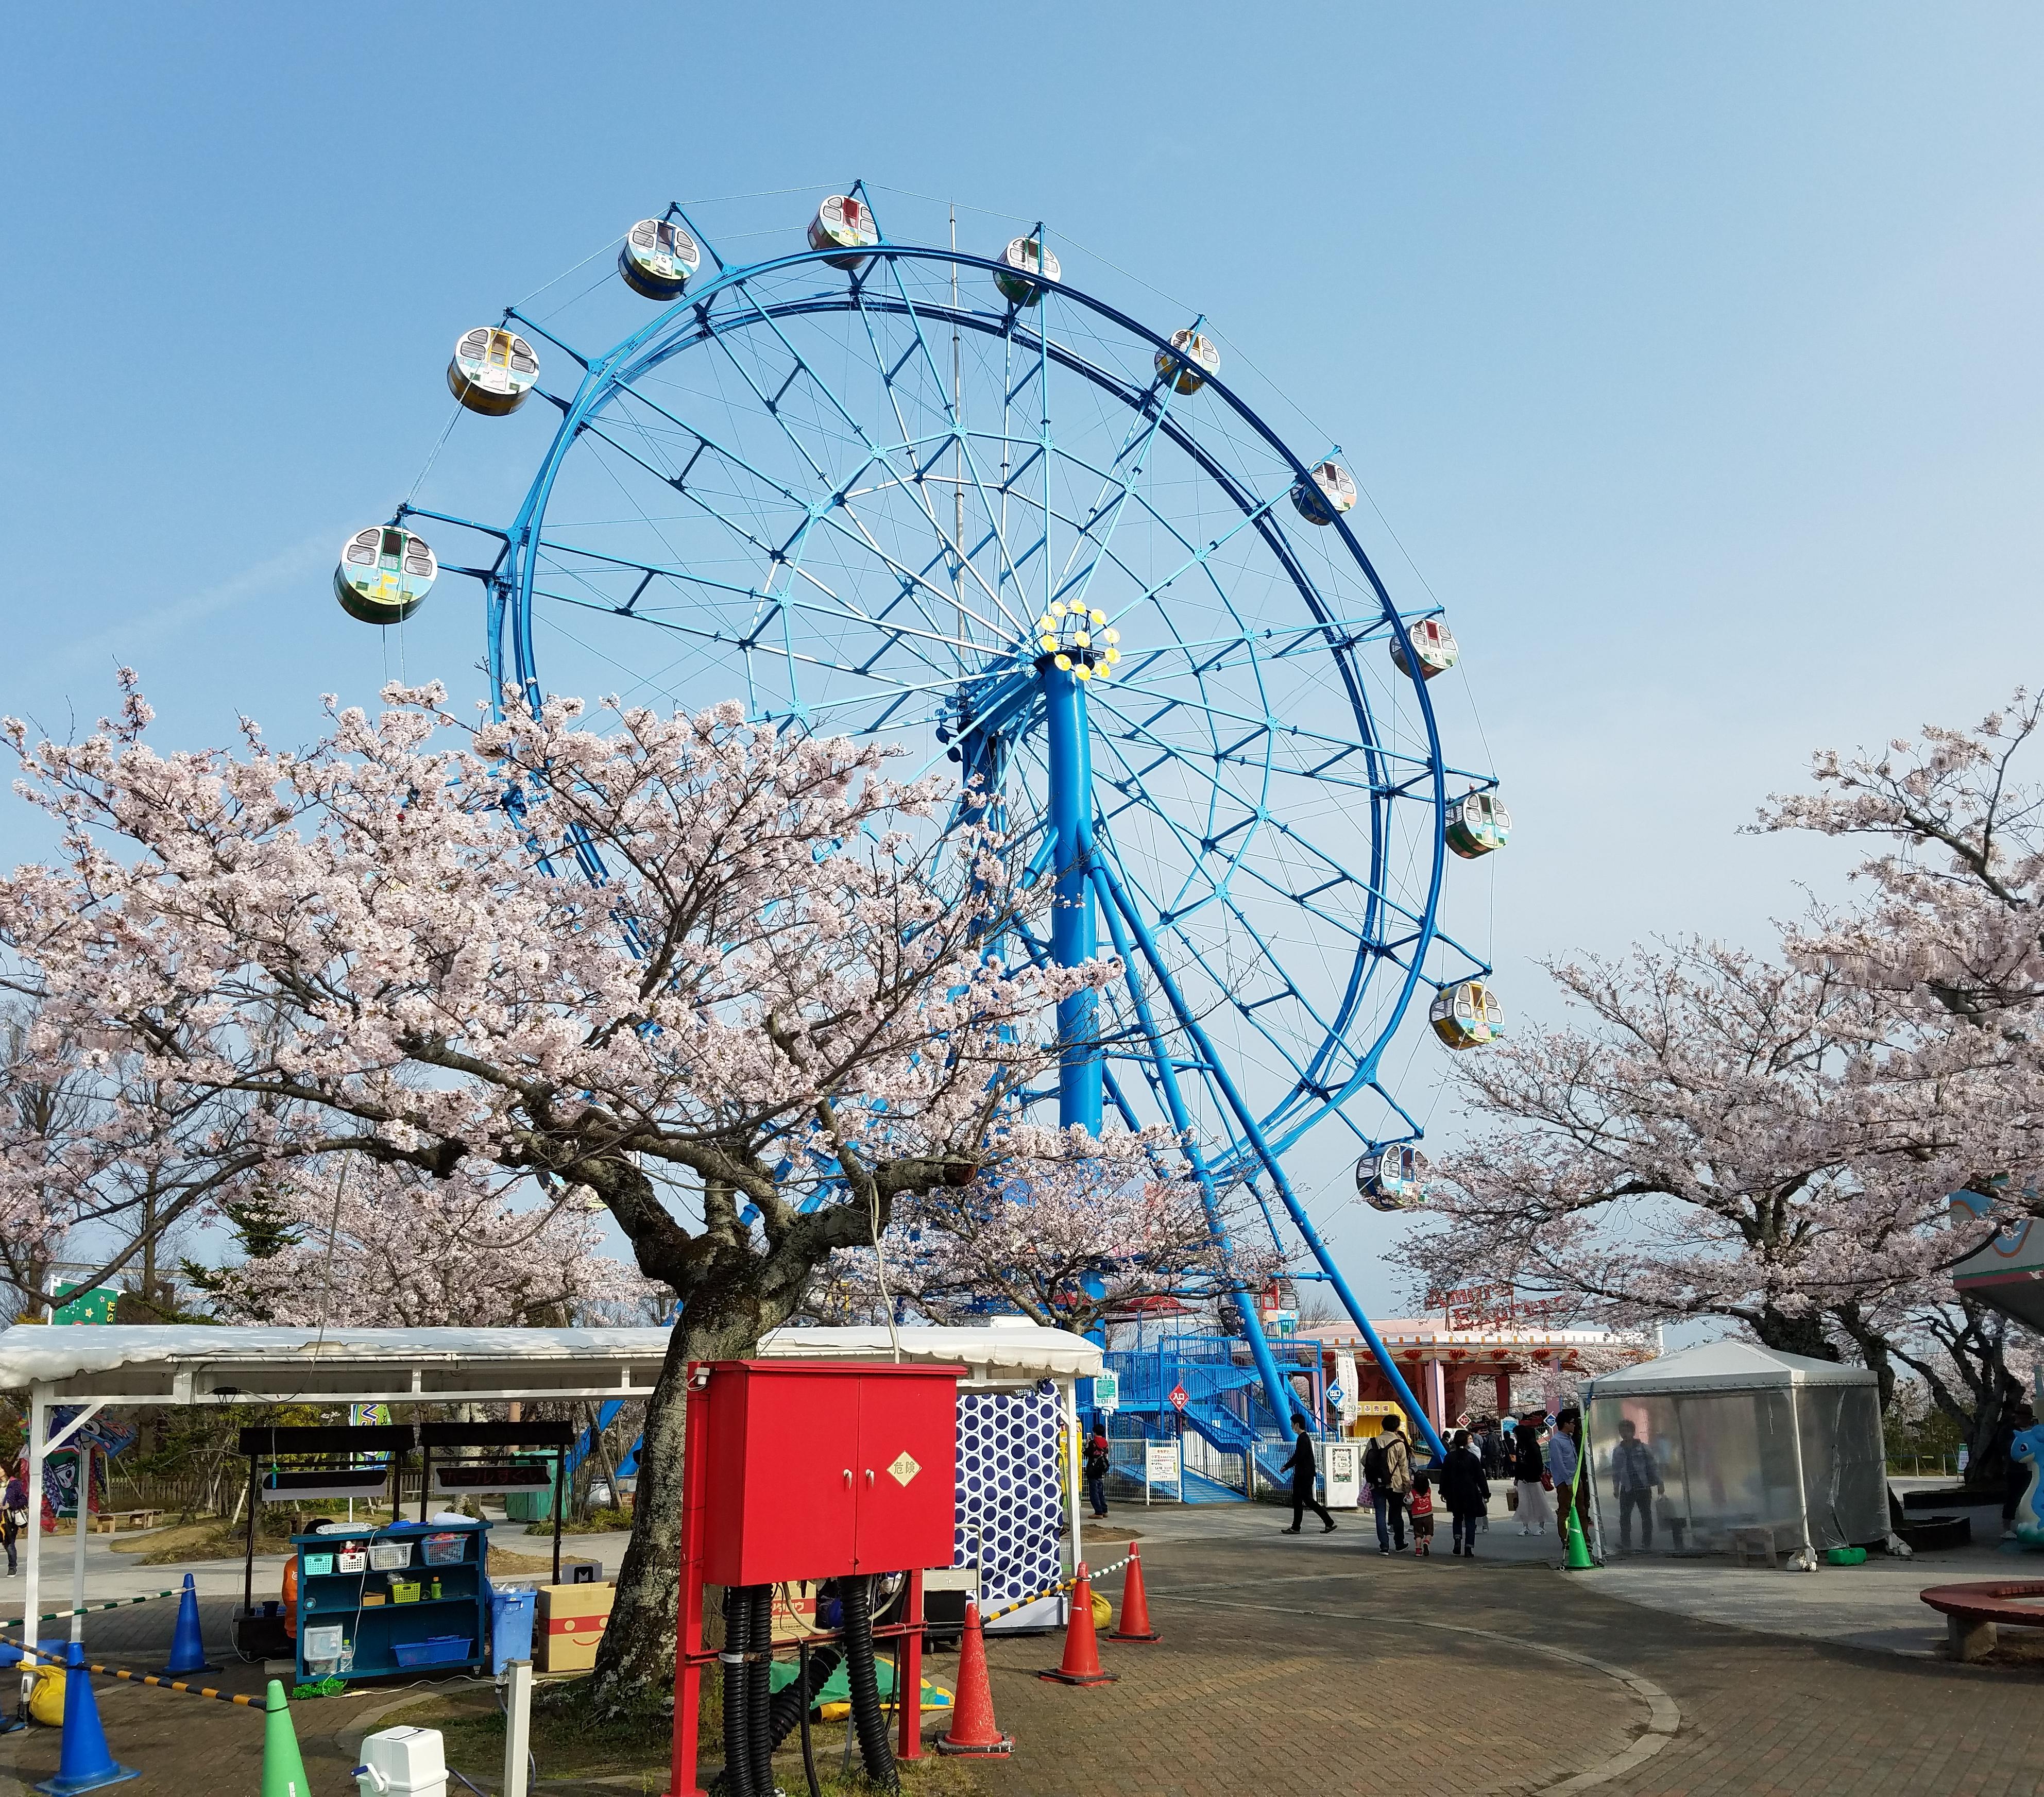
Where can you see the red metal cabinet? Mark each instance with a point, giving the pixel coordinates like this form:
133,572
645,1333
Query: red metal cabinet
817,1468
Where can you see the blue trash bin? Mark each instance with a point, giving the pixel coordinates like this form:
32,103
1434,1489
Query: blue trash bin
510,1628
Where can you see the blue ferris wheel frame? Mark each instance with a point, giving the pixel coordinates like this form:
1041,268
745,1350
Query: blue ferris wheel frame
1254,1145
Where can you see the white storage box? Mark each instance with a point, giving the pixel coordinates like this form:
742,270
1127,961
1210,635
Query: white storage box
324,1642
402,1763
390,1557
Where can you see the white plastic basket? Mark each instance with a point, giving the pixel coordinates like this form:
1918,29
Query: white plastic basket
390,1557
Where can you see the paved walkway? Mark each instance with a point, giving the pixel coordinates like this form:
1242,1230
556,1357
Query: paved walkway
1311,1663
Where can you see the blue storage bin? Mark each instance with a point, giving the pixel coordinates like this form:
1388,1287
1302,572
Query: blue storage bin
439,1650
510,1628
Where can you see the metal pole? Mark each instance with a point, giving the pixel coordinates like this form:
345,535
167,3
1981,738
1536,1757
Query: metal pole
1802,1494
83,1450
517,1724
1073,927
248,1560
560,1498
31,1588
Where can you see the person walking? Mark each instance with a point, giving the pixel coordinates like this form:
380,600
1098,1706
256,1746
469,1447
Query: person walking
13,1515
1420,1507
1529,1473
1635,1481
1564,1459
1387,1464
1099,1458
1465,1491
1303,1498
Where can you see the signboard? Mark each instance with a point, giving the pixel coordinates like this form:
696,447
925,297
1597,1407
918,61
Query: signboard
1106,1391
1180,1397
1335,1395
82,1305
1474,1306
1343,1473
1280,1322
1345,1378
1160,1462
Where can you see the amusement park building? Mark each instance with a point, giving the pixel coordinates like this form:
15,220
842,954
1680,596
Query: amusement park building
1481,1367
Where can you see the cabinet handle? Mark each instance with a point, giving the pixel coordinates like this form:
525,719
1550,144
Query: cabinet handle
869,1476
848,1479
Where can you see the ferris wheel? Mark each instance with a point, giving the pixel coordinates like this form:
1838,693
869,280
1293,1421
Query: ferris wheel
955,501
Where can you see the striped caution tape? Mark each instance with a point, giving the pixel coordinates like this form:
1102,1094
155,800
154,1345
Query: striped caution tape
254,1703
118,1603
1052,1591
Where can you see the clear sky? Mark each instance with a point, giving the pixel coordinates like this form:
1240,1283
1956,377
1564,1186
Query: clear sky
1691,354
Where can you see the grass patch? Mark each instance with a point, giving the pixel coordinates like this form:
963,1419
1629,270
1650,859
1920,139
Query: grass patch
567,1743
597,1522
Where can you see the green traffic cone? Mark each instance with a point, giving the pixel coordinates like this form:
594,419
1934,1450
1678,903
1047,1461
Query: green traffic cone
284,1767
1578,1557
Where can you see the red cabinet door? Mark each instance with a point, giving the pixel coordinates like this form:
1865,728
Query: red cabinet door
784,1475
907,1474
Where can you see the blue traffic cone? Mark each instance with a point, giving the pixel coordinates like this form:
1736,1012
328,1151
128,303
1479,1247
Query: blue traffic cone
187,1651
84,1765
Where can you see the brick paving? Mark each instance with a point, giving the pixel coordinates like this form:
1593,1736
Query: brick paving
1314,1665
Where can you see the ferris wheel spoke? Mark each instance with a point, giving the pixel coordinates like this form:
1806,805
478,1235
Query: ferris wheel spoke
1132,459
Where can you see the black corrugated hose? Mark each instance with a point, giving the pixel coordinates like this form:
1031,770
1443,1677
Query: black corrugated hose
792,1701
867,1717
759,1689
738,1779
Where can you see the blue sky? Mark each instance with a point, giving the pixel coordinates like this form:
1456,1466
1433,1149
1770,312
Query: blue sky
1691,354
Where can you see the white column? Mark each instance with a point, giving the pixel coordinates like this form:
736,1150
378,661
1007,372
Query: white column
1074,1478
84,1451
31,1590
517,1724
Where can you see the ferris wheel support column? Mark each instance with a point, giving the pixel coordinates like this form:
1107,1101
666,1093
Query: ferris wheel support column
1075,927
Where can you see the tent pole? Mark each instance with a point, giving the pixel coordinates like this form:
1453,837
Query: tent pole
560,1498
248,1558
1802,1492
82,1453
39,1417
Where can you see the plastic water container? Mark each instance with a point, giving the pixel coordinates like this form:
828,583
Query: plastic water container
402,1763
510,1628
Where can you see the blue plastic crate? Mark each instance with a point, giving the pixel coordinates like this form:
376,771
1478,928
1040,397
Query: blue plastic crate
437,1650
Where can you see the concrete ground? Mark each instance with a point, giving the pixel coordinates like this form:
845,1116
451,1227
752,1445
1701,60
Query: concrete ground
1313,1663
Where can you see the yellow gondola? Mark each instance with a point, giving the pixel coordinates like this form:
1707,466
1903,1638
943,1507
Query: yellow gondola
1467,1015
384,573
1203,355
492,371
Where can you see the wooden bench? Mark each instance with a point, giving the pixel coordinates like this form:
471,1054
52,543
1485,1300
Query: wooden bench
1973,1612
1752,1546
108,1522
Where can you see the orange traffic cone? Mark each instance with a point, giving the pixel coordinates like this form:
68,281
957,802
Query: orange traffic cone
1080,1665
1134,1624
973,1730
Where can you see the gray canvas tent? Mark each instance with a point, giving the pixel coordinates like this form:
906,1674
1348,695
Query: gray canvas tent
1743,1437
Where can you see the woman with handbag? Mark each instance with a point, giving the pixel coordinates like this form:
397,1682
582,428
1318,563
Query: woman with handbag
1529,1473
13,1515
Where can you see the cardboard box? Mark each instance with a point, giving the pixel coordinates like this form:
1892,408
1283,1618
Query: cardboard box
570,1621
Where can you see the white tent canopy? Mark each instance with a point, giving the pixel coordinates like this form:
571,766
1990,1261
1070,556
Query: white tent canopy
1725,1366
193,1365
1743,1437
1004,1354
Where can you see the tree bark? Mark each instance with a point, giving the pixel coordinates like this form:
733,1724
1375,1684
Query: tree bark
635,1663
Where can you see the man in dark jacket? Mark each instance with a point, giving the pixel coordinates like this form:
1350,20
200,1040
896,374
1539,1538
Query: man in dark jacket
1465,1491
1303,1496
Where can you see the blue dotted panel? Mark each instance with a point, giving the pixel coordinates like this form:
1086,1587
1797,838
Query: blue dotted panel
1008,1496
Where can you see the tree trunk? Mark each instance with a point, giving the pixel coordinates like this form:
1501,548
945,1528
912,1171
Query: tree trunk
1803,1334
635,1663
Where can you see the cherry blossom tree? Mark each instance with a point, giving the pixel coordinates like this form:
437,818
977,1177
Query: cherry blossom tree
733,982
1069,1240
372,1246
1952,932
1723,1140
